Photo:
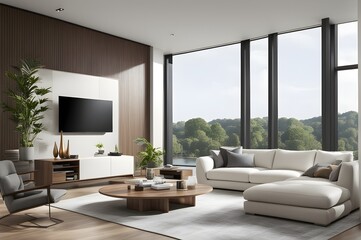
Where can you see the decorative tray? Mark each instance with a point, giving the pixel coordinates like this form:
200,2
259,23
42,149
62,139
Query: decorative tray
163,186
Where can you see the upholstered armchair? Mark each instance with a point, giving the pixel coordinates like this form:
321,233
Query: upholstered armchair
17,198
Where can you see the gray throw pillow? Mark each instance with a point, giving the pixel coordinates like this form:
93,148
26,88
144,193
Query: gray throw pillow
224,154
311,171
217,158
334,174
240,160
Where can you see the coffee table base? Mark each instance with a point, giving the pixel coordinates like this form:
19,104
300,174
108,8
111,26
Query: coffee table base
158,204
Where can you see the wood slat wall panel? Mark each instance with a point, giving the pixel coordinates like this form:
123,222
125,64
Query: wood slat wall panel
107,50
134,69
74,49
67,47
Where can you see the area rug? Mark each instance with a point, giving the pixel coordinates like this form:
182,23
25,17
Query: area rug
217,215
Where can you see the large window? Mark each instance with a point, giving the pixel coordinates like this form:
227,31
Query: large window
259,93
347,87
347,43
206,102
299,90
206,95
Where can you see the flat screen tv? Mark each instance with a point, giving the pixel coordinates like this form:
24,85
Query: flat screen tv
85,115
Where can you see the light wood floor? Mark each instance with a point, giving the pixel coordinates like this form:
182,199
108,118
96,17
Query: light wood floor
77,226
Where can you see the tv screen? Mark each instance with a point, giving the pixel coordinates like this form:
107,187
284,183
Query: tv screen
85,115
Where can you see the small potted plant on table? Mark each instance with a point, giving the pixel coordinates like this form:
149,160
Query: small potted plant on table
150,158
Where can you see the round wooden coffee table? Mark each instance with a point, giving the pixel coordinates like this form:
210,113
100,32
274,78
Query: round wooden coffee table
150,199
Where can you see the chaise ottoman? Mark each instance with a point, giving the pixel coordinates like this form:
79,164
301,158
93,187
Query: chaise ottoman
315,201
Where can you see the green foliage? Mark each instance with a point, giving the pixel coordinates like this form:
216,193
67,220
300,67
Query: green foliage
177,147
150,156
195,124
218,134
233,140
196,137
28,103
299,137
259,133
347,132
99,145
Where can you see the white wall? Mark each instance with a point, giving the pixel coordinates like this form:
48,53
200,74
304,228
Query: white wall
83,86
157,99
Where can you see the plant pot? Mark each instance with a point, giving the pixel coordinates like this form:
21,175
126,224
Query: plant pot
149,173
26,153
100,151
151,165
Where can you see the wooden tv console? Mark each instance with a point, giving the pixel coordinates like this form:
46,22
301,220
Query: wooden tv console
70,170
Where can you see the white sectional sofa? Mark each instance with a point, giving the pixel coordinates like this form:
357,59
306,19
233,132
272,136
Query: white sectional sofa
275,185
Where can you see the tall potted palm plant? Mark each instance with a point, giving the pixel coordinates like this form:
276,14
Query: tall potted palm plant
27,105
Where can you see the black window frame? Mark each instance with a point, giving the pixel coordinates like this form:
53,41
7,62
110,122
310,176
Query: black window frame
329,101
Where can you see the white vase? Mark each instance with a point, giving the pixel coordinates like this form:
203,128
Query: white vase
26,153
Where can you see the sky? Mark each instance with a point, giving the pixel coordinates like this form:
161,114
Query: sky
206,83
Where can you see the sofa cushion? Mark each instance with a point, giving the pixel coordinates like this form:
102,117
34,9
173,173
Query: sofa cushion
334,174
311,171
217,158
323,172
311,194
305,178
231,174
240,160
294,160
329,156
268,176
262,157
224,150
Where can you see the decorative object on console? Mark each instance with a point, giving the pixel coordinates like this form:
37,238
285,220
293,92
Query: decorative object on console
61,146
67,151
100,147
55,151
116,152
28,103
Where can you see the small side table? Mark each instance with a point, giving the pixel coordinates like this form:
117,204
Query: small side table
178,173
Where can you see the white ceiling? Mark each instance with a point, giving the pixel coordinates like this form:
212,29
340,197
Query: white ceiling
196,24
